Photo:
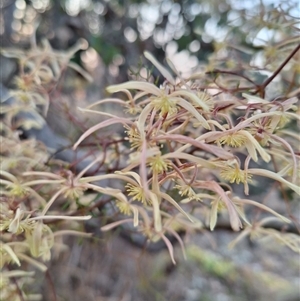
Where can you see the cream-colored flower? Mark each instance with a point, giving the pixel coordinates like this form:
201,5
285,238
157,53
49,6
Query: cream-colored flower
205,98
40,241
124,207
186,190
137,193
135,139
233,174
236,139
244,138
158,164
165,105
217,205
7,255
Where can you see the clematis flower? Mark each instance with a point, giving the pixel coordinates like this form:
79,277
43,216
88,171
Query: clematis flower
231,172
158,164
258,230
179,137
185,190
17,188
8,255
137,193
244,138
274,176
223,197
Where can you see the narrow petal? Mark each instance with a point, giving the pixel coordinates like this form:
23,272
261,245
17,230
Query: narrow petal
142,119
262,206
177,236
191,158
189,107
167,75
266,157
174,203
213,215
156,211
99,126
274,176
173,68
33,262
115,224
170,247
15,223
251,150
188,141
192,96
135,216
81,71
117,175
11,253
235,221
54,197
143,168
132,174
289,147
241,236
135,85
254,99
57,217
42,174
35,241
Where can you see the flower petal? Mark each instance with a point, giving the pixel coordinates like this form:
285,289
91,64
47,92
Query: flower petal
192,96
156,211
167,75
135,85
213,214
266,157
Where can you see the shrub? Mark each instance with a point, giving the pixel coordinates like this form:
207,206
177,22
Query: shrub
186,147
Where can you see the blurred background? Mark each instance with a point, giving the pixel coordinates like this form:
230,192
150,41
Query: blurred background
118,32
110,268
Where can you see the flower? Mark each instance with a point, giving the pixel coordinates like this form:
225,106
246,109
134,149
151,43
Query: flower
216,206
243,137
124,207
40,241
7,255
17,225
132,109
236,139
186,190
158,164
12,280
231,172
222,196
206,98
135,139
164,104
275,176
137,193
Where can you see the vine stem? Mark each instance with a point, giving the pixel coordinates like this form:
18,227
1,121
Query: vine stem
262,87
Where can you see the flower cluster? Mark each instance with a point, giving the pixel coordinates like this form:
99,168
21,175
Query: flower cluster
185,148
40,69
30,183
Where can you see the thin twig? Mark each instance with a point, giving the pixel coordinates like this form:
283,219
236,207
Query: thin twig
262,87
232,73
